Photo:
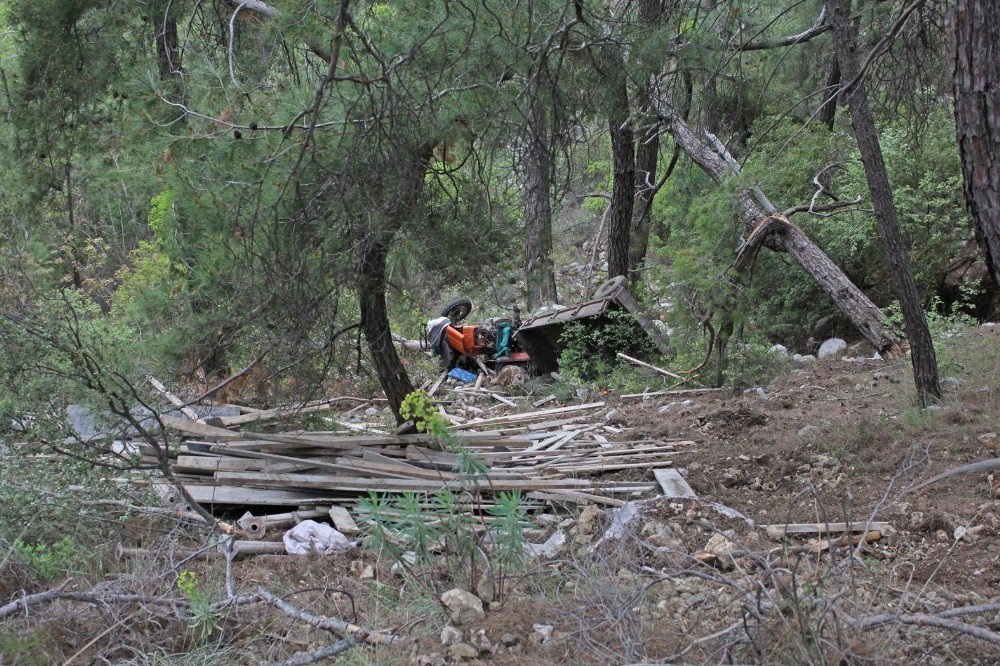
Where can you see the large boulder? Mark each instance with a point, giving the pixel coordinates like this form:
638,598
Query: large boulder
832,349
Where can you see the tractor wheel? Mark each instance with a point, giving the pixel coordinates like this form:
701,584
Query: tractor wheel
458,310
610,287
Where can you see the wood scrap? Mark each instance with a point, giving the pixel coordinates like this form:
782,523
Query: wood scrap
673,484
173,399
652,367
779,531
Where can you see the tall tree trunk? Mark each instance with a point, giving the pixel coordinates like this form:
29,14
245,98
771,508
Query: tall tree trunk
392,375
828,112
537,163
402,186
754,208
647,152
921,346
976,71
623,190
168,57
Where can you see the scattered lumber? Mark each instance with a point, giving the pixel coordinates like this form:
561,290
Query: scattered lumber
559,455
173,399
778,532
654,394
652,367
673,484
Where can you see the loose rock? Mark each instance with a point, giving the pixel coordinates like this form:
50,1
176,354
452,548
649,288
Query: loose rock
465,607
832,349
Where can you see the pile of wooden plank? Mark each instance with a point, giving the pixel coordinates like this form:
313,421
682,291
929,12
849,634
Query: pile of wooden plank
563,453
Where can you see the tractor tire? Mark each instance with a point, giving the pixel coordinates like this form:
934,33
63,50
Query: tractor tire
458,310
612,286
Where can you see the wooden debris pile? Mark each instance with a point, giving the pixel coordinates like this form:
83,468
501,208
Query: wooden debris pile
561,454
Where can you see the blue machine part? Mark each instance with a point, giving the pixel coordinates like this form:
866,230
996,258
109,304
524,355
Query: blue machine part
462,375
504,333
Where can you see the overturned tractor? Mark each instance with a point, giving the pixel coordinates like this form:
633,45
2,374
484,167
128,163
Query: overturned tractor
537,342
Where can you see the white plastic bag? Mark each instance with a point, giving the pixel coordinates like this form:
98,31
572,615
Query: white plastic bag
310,537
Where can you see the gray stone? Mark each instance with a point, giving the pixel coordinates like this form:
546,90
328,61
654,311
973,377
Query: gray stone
780,350
465,607
463,651
551,548
587,518
833,348
950,383
761,394
450,635
810,432
485,590
509,640
799,358
542,633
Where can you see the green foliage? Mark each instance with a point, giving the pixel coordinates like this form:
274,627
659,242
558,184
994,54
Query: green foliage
204,619
48,562
26,647
589,349
420,531
422,410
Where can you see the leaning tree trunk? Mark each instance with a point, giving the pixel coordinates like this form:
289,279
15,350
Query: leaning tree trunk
755,209
623,189
921,346
404,180
976,70
537,164
392,375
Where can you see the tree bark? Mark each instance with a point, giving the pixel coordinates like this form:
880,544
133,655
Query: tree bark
976,77
754,207
392,375
623,190
538,268
402,186
647,152
168,59
828,112
921,346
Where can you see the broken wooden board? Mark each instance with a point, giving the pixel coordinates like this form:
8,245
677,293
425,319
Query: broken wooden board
200,430
342,520
778,532
527,417
673,484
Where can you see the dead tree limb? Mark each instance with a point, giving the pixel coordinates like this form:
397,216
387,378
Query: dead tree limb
926,620
974,468
766,226
333,650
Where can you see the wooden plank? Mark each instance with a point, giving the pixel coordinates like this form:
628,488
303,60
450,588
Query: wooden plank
673,484
279,412
545,400
652,367
342,520
653,394
529,416
174,400
209,465
436,384
365,484
200,430
207,495
778,531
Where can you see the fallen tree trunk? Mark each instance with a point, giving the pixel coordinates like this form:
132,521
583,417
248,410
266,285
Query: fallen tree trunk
766,226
